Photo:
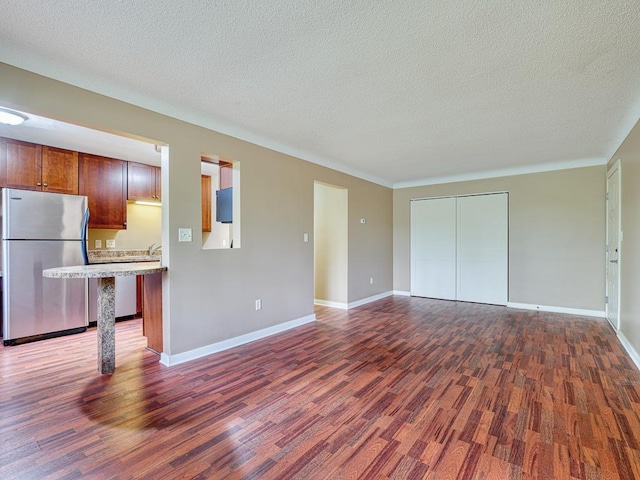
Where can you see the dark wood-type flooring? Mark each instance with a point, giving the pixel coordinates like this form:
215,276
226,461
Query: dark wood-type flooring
403,388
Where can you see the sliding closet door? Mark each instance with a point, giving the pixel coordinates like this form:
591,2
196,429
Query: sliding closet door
433,248
482,248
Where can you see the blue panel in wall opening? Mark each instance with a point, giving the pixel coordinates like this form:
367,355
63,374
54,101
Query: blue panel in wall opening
224,205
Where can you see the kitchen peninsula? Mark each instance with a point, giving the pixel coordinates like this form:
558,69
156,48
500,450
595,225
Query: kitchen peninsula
106,273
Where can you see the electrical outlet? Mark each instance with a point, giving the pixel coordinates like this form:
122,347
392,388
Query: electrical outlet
371,281
111,244
185,235
259,304
98,244
305,237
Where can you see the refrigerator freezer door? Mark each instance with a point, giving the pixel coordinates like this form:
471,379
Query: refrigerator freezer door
33,304
29,215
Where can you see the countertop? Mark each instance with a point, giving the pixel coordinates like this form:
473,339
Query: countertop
105,270
121,256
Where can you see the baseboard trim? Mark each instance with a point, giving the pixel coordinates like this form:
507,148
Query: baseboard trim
402,293
327,303
171,360
626,344
364,301
546,308
357,303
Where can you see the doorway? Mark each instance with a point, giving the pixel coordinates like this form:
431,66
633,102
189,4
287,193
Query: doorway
612,299
330,246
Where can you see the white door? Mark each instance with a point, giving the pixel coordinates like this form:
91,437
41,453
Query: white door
613,246
433,248
482,248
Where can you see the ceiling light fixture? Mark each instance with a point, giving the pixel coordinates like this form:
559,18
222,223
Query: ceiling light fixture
11,117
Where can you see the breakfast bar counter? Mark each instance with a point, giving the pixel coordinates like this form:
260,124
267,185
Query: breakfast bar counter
106,273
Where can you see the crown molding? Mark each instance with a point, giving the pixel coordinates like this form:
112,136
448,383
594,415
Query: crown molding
503,172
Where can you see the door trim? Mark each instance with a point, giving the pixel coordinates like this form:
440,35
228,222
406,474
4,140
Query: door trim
616,166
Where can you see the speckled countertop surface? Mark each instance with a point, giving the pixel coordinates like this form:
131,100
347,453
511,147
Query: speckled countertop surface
120,256
105,270
110,263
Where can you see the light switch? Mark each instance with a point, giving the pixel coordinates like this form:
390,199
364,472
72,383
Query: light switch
111,244
98,244
305,238
185,235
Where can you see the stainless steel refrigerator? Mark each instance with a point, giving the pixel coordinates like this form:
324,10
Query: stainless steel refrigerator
42,230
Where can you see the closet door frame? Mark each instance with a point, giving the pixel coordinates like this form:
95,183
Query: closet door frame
501,237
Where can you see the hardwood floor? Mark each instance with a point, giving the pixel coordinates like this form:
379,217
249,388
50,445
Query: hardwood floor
403,388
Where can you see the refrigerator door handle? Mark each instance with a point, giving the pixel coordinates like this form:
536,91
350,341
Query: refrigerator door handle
85,227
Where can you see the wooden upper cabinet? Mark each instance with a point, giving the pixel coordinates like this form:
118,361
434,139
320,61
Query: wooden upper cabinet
206,203
59,170
20,164
226,174
36,167
104,181
144,182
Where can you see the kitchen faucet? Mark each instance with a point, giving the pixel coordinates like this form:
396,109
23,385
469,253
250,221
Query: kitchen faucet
153,249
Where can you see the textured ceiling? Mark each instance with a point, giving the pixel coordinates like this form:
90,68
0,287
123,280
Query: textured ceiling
393,91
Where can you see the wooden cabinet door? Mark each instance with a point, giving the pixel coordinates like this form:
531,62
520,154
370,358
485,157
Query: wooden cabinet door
59,170
20,164
104,181
141,182
206,203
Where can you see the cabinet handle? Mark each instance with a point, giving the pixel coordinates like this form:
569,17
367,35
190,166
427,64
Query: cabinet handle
46,184
38,184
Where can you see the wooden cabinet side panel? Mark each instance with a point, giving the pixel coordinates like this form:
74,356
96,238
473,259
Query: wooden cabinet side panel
139,295
3,162
104,181
158,183
152,311
206,203
59,170
226,175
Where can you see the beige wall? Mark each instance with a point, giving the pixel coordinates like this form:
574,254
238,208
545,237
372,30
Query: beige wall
144,227
629,156
209,295
331,243
556,235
